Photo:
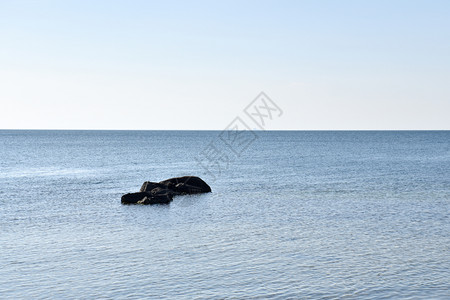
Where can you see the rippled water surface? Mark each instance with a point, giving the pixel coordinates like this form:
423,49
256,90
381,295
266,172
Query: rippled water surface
297,215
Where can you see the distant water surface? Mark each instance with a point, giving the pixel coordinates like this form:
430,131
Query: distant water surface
296,215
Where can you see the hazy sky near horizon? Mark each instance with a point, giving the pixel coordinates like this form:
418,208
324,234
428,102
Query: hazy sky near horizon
197,64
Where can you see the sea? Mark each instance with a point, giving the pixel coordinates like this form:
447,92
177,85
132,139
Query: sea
292,215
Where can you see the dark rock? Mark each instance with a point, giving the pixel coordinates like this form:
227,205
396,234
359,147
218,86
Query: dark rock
189,185
144,201
148,186
163,192
184,188
155,200
132,198
146,198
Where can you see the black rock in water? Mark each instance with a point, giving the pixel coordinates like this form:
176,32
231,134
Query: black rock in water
162,192
146,198
148,186
187,185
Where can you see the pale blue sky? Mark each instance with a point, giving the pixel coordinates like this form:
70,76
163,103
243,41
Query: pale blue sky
196,65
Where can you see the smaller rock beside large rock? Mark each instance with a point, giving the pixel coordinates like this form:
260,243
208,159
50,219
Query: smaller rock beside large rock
162,192
147,198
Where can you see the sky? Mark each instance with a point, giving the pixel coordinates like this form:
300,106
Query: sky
157,65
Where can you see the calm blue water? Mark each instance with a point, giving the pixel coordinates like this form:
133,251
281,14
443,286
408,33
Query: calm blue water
297,215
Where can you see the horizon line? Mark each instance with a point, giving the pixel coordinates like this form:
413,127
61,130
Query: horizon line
256,129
